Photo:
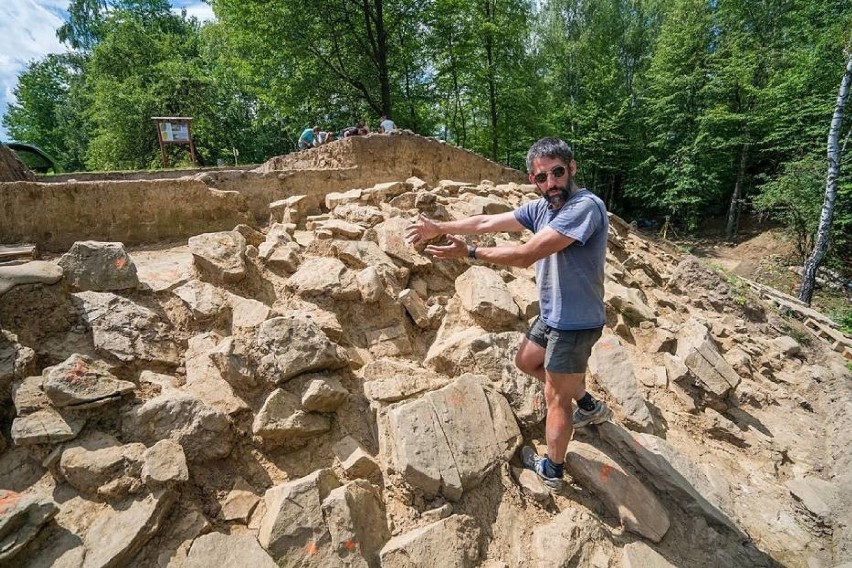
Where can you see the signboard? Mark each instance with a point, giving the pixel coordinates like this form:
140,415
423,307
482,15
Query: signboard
174,130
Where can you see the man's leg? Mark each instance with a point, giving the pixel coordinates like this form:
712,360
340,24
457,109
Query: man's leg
560,389
530,359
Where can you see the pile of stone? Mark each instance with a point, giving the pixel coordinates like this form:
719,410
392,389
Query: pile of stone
320,393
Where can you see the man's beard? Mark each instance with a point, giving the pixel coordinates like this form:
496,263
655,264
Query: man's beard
557,201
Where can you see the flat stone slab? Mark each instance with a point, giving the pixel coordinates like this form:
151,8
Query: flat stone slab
34,272
635,505
21,518
448,440
217,549
449,542
45,426
119,533
221,255
100,266
80,382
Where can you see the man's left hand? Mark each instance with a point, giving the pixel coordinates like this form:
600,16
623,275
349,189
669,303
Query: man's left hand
456,249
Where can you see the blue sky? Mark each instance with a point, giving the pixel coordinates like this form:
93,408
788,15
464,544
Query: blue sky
28,32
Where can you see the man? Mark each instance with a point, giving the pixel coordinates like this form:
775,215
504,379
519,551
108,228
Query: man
308,138
569,251
386,125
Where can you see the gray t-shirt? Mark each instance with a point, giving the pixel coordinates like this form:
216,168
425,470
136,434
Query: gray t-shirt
571,281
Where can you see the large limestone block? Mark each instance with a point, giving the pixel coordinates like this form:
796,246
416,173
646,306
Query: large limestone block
79,382
125,329
525,294
364,254
99,266
390,235
207,381
356,520
16,360
324,394
46,426
453,541
293,527
119,532
282,421
447,441
21,518
640,555
557,542
342,229
629,302
220,255
671,473
483,293
203,432
290,346
610,365
34,272
227,551
637,508
165,465
697,350
325,277
364,215
99,465
354,459
206,301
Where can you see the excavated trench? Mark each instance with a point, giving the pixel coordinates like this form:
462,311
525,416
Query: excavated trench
253,367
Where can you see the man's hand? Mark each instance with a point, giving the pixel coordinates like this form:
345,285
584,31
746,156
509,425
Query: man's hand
421,231
456,249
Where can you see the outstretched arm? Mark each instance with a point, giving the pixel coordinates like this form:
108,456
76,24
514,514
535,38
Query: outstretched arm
425,229
544,243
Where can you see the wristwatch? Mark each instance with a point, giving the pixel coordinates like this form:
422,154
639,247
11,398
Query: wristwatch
471,251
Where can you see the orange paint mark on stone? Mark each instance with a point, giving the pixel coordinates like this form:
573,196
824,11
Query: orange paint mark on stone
8,499
77,373
350,545
606,471
311,548
121,262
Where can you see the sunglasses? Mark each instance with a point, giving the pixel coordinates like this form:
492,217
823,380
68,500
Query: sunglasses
556,172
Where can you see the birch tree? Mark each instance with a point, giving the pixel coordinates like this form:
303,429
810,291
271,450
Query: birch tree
827,213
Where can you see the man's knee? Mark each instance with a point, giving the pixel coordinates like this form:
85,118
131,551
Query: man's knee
529,364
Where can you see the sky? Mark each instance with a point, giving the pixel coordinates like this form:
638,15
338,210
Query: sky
28,32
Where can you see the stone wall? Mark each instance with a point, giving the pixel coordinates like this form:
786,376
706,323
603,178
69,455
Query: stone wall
54,216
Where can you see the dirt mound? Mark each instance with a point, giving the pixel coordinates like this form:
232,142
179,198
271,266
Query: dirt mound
11,168
314,391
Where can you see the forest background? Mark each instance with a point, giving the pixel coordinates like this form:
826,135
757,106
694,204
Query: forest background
676,109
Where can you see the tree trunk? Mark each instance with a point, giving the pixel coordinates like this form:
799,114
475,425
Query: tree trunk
734,209
812,264
490,16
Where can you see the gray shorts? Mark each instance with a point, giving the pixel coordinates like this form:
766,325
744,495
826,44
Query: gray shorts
565,351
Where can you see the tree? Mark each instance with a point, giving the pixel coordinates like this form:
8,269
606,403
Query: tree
834,155
48,108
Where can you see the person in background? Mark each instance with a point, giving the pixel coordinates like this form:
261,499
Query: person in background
325,138
570,226
359,129
386,125
308,139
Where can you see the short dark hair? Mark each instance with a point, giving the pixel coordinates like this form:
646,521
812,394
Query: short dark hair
549,147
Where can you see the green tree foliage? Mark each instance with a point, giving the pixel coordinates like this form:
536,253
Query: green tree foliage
50,108
686,108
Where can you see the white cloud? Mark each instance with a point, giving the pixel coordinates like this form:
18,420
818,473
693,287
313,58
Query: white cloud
28,32
199,10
